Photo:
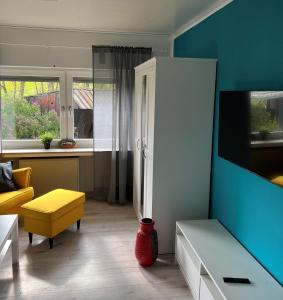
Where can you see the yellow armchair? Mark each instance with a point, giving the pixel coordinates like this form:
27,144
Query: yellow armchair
11,202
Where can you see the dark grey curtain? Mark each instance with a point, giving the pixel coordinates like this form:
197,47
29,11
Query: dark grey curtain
121,61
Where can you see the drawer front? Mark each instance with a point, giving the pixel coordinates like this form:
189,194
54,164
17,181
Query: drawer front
190,272
189,251
204,293
208,290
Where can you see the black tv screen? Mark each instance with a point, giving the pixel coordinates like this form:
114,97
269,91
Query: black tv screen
251,131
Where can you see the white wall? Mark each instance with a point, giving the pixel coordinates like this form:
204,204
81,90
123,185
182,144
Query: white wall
67,48
20,46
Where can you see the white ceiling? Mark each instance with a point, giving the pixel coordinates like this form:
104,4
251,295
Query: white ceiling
139,16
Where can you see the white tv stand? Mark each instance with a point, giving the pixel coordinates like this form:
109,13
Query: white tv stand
206,252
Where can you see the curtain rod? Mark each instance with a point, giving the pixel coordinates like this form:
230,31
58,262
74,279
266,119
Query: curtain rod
99,47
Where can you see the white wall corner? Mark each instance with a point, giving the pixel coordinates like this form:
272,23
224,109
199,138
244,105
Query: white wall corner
200,17
172,38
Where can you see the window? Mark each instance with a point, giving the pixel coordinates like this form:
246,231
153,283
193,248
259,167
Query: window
29,107
36,100
83,108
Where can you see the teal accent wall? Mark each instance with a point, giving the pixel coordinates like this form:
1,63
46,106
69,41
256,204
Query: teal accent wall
246,37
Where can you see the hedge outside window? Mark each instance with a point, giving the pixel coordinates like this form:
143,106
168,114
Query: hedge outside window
29,107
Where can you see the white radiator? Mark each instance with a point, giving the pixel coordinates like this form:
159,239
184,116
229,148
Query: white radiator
52,173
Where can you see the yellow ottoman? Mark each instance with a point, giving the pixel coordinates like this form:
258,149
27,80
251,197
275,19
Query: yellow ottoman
52,213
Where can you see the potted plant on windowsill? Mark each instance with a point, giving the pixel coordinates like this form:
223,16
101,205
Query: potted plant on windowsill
264,132
46,139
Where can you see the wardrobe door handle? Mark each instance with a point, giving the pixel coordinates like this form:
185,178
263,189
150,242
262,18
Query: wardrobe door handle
144,152
139,144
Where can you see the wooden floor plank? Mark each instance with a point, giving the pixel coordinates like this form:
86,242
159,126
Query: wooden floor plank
96,262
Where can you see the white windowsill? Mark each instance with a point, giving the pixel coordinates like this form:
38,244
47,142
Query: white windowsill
267,143
10,153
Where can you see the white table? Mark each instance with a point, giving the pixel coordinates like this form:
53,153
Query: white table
9,237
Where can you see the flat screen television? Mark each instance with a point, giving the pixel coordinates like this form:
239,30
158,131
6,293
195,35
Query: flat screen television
251,131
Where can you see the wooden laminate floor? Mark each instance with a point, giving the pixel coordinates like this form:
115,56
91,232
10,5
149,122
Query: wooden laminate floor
95,263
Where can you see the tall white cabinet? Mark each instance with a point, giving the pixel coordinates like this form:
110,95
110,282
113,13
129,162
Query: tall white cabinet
173,116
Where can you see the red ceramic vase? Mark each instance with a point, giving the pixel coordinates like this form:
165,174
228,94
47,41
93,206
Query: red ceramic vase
146,249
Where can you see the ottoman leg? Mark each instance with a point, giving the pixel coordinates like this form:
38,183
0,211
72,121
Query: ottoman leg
78,224
50,243
30,237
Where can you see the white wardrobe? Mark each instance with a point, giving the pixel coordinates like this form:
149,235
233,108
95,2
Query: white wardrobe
174,104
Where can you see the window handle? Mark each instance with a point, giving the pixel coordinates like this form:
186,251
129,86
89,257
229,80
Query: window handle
70,109
144,153
138,144
63,107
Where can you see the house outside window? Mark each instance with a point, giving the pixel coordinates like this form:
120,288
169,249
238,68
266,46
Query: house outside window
83,108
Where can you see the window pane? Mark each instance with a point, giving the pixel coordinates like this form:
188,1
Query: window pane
29,107
83,108
103,100
83,111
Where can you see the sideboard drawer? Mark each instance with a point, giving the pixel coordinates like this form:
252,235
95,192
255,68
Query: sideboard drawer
208,290
188,266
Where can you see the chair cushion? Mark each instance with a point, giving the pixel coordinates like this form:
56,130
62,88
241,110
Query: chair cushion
9,200
21,177
53,205
278,180
6,181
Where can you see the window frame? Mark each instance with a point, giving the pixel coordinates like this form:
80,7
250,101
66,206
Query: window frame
70,75
36,72
100,75
66,76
